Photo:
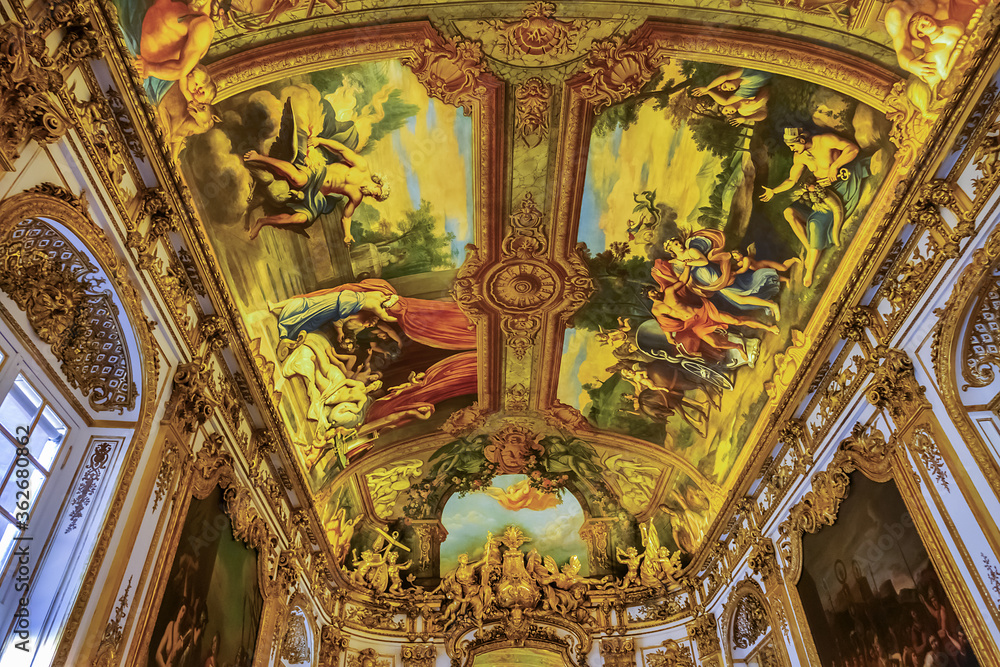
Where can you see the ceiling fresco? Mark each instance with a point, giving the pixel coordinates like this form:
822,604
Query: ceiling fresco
505,271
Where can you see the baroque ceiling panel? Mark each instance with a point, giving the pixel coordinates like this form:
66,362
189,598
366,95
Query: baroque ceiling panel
573,254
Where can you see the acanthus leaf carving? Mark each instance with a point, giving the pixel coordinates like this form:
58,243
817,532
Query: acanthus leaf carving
894,386
29,80
192,399
705,631
618,68
450,70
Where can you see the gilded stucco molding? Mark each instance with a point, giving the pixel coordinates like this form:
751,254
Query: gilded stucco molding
107,651
59,289
956,326
705,632
619,652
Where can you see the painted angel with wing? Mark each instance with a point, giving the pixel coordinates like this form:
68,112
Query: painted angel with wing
307,174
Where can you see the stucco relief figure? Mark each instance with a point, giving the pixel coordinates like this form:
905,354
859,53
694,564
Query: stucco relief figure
926,35
658,565
839,173
631,559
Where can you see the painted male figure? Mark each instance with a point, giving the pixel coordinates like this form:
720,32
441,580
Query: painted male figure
839,174
351,178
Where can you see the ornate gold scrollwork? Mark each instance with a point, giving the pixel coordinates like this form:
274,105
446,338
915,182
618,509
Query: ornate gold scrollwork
56,285
531,111
193,397
418,655
671,654
618,68
618,651
450,70
750,621
894,387
705,631
107,650
332,643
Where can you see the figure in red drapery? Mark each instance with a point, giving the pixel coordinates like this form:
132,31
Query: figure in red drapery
690,320
449,378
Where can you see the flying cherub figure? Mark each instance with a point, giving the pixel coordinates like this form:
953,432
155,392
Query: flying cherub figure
307,175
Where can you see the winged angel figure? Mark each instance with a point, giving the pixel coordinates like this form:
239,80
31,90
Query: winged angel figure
306,175
658,565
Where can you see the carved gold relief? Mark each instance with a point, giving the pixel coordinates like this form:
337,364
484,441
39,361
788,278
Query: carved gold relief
618,651
705,631
450,71
671,654
894,386
531,111
749,621
57,287
418,655
107,650
617,68
192,398
28,78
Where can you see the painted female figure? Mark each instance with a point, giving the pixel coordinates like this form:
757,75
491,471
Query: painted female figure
712,272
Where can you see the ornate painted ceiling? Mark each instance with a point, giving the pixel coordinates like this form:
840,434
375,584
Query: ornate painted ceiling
575,262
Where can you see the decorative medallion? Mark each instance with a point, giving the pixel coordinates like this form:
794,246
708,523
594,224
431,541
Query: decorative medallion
538,33
510,448
523,286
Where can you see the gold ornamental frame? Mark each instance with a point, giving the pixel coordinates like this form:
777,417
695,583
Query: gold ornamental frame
212,468
869,453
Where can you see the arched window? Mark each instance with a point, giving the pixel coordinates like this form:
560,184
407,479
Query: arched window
69,390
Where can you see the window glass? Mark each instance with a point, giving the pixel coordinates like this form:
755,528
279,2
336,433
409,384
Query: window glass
14,497
20,406
46,437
